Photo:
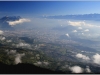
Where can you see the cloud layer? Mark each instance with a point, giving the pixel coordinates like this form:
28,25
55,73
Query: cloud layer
12,23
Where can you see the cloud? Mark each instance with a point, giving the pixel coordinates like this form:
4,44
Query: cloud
18,58
82,33
82,56
88,69
11,51
67,35
38,63
23,45
1,32
46,63
96,59
2,38
9,40
79,27
74,30
76,69
81,23
75,23
86,30
12,23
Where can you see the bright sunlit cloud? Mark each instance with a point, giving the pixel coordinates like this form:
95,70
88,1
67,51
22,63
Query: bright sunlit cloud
84,57
76,69
96,58
12,23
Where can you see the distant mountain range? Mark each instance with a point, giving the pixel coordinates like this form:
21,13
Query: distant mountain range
4,24
77,17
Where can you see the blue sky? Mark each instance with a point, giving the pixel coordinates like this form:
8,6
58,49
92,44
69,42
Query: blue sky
38,8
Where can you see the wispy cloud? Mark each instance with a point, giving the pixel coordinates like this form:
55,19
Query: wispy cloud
74,30
79,27
12,23
86,30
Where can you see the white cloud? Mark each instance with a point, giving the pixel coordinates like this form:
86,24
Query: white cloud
46,63
18,58
82,56
75,23
76,69
12,23
67,35
79,27
23,45
96,58
86,30
1,32
88,69
81,23
2,38
82,33
9,40
74,30
11,52
39,63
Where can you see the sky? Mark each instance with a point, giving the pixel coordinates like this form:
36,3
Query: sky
38,8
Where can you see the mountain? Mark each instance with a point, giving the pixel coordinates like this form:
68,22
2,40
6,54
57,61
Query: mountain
95,17
3,22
